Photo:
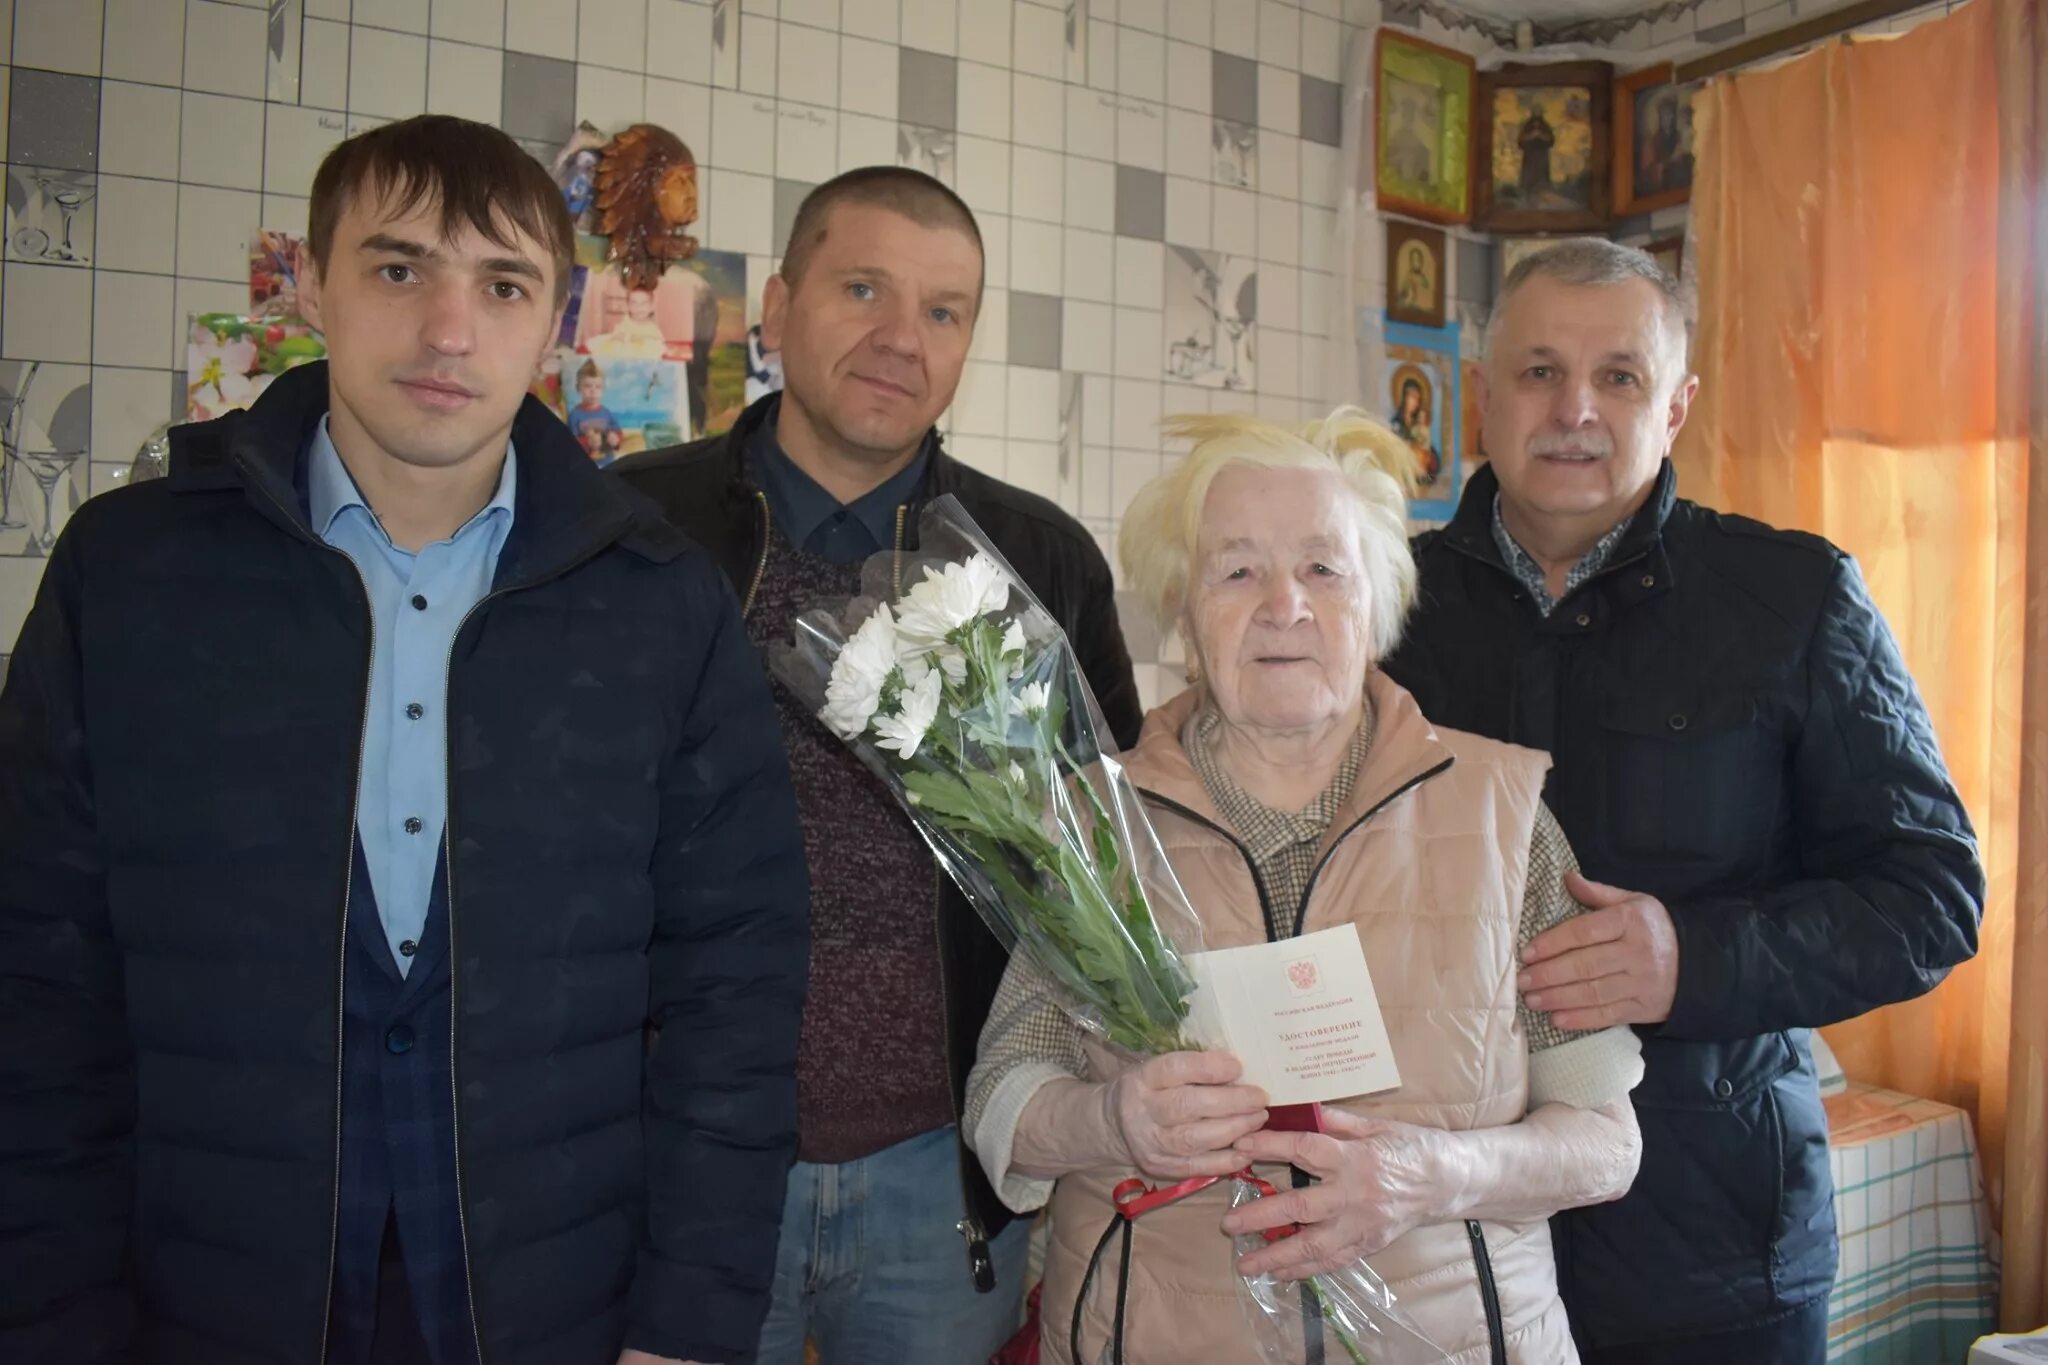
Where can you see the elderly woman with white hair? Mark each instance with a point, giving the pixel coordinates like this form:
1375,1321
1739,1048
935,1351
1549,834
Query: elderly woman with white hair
1295,788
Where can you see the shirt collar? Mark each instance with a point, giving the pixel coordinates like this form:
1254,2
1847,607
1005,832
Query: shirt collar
331,490
1267,830
802,506
1530,574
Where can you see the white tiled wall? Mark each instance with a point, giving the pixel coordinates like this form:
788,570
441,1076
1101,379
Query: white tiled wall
1100,141
1083,134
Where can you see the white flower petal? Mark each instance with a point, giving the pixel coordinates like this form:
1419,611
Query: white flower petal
855,688
903,732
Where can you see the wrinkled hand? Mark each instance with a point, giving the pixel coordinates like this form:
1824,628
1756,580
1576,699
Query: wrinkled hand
1376,1180
1179,1113
642,1358
1615,964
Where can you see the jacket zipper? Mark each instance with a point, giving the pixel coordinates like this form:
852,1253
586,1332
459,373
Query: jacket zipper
1301,911
896,576
980,1265
1251,864
761,564
348,878
1265,899
454,960
1489,1293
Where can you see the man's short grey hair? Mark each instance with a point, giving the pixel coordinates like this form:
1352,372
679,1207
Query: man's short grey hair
1597,261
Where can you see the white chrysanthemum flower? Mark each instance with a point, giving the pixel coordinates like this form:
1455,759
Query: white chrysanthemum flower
1031,698
855,688
949,598
918,707
1013,638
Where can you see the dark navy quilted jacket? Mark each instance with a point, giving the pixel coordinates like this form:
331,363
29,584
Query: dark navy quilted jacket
178,754
1735,733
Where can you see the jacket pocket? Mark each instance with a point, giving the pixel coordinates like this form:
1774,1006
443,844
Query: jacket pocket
1688,1248
1803,1246
1691,781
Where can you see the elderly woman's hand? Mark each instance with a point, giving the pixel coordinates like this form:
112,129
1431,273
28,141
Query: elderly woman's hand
1377,1180
1179,1114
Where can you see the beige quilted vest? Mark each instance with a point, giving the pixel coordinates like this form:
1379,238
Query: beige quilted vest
1428,860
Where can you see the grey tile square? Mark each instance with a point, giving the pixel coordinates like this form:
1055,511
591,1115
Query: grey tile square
789,197
1140,203
1322,111
927,89
1234,88
1035,324
1475,271
539,98
1723,33
53,120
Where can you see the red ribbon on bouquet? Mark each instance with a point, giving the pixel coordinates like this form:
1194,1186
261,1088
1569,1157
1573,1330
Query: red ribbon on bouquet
1134,1197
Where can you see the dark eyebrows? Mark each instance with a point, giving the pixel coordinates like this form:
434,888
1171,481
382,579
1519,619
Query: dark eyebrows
512,265
383,243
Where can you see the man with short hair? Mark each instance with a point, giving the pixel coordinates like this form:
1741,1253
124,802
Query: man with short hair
894,1248
371,789
1737,743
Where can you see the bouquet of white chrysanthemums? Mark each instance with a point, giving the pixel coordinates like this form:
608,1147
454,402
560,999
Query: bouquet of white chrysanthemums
954,685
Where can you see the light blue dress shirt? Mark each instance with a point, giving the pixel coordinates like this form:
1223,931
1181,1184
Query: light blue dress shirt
417,602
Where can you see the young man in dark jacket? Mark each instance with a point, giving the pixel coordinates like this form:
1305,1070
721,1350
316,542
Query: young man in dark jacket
1741,762
370,788
890,1229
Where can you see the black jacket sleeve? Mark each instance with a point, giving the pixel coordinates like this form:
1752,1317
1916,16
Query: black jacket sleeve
1098,640
1892,889
730,958
67,1081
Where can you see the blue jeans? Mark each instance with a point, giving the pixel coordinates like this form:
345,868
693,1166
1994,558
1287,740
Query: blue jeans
870,1265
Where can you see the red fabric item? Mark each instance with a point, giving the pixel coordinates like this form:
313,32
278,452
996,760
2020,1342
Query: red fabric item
1022,1349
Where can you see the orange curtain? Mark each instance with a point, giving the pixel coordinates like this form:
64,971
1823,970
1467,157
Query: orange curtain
1867,252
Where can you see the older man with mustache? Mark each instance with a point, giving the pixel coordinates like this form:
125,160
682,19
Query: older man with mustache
1736,742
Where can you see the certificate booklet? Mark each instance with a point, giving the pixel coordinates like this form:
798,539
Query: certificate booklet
1300,1014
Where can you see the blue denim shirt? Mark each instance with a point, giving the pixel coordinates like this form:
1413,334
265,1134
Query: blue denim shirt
817,522
417,603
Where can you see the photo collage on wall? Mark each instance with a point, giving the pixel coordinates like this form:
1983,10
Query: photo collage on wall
231,358
655,347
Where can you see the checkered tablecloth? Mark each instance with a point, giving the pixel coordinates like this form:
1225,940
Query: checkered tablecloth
1917,1283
